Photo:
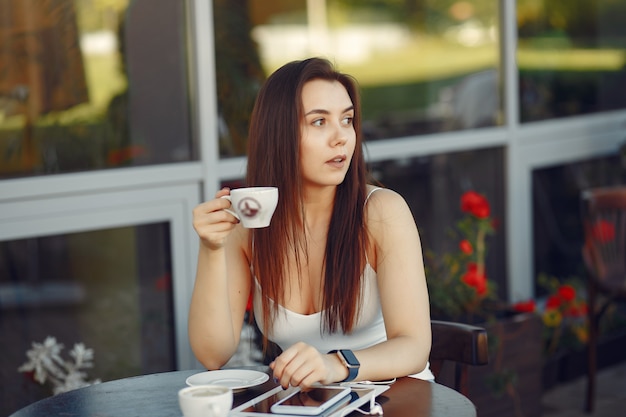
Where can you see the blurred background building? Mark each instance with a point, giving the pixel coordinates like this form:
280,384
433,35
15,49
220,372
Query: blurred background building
117,117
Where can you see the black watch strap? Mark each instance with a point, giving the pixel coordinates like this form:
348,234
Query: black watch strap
351,362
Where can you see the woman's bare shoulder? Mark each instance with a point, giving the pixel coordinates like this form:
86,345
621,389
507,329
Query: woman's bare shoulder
389,219
383,202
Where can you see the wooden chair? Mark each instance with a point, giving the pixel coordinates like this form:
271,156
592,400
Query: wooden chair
461,344
603,213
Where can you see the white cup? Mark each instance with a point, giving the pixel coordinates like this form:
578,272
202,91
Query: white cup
253,206
205,401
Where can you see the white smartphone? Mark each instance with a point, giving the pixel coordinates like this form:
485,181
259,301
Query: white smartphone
311,402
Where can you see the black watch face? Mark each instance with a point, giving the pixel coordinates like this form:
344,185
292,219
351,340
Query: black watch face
349,356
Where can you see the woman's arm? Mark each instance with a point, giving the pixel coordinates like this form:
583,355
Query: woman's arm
222,284
403,291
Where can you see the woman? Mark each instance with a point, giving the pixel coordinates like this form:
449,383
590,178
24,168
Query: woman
339,268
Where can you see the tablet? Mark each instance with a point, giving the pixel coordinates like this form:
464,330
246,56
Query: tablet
261,405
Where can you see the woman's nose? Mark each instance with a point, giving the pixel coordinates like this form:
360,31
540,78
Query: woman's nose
340,136
339,141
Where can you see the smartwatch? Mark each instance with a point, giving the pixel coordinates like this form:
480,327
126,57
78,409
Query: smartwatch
351,362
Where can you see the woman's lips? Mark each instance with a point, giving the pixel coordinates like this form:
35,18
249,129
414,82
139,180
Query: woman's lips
337,162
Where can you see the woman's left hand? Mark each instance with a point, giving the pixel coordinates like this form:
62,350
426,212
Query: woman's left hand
302,365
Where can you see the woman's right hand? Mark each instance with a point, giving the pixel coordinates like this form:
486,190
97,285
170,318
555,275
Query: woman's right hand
212,223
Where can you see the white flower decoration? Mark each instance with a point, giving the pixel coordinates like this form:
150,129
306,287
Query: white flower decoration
46,362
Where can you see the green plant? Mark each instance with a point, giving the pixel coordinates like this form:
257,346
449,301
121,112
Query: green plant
457,281
460,290
563,312
564,315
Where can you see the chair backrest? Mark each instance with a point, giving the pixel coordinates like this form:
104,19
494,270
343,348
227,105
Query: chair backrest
461,344
603,213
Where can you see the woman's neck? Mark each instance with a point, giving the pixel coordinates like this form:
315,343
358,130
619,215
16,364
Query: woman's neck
318,207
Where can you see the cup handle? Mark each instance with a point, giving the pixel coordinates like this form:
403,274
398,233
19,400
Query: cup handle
227,197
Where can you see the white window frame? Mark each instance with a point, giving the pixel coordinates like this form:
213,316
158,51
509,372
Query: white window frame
68,203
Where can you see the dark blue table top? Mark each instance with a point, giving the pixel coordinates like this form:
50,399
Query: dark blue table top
156,395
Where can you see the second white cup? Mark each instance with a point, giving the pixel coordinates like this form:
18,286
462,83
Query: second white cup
205,401
253,206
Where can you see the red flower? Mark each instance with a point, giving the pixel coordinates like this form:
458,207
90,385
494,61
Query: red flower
29,375
475,204
603,231
567,292
525,306
163,283
122,155
579,310
553,302
466,247
474,279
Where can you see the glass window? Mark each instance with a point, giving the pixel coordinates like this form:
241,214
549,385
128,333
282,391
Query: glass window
109,289
423,67
571,56
88,85
433,186
557,229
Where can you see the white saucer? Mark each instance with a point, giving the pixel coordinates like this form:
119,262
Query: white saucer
237,379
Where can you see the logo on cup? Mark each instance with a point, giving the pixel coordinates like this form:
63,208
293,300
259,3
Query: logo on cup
249,207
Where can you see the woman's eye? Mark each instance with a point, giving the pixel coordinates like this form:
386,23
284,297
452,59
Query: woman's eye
318,122
348,120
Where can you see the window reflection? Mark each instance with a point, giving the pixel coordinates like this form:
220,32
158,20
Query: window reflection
571,57
110,289
423,67
433,185
557,230
90,85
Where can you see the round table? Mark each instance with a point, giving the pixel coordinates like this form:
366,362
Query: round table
156,395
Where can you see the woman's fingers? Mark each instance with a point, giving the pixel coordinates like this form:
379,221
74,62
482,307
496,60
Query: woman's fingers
212,222
300,365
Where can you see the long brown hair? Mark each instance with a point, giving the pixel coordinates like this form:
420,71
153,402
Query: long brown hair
273,159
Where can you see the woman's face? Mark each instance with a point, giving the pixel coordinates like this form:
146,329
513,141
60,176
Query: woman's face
327,134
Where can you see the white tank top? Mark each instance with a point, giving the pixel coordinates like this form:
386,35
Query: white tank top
291,327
